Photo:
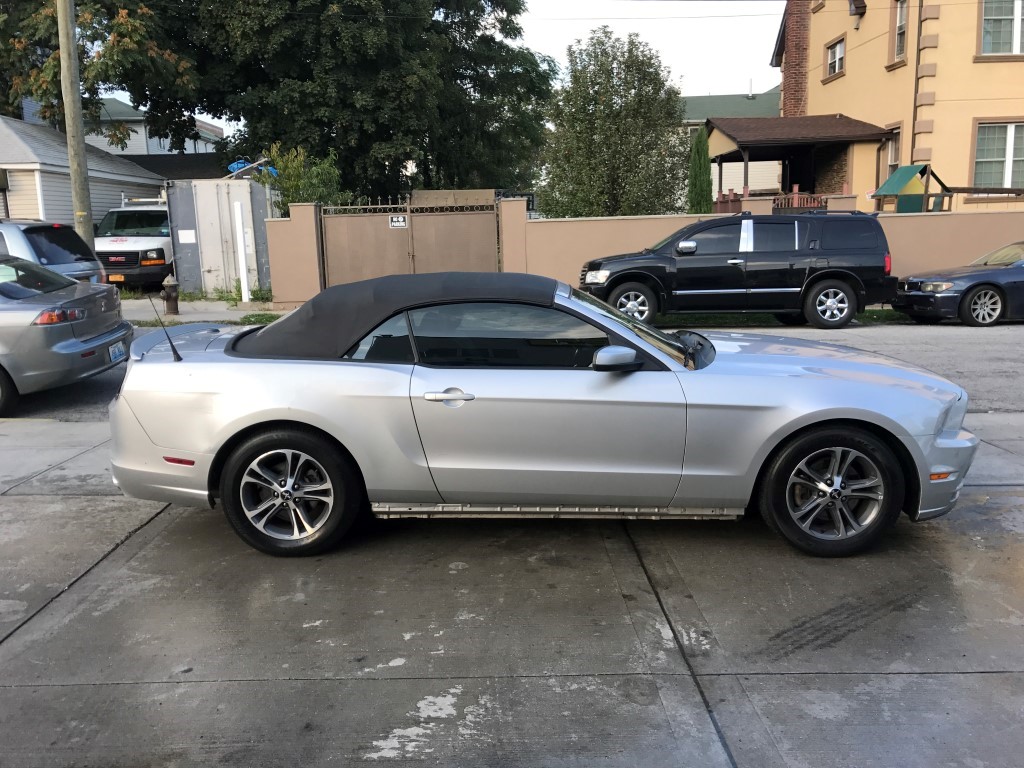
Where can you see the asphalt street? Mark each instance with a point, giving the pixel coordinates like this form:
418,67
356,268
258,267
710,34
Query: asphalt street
140,634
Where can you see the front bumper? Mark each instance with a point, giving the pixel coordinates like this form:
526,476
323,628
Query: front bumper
948,453
937,305
138,275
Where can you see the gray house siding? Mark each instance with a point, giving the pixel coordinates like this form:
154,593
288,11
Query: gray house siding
105,195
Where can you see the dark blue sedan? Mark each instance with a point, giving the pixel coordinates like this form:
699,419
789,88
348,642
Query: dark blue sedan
989,290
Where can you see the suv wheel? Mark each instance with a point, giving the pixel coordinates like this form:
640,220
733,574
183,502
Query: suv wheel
636,300
830,304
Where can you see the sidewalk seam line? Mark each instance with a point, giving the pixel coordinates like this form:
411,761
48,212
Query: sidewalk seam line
55,466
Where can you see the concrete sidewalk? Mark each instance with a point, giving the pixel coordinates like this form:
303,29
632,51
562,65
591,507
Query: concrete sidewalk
205,311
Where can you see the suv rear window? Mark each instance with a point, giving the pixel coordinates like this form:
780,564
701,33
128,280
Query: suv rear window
57,245
849,235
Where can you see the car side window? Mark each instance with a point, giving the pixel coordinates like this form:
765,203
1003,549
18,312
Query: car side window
3,246
849,235
723,239
387,343
504,335
774,236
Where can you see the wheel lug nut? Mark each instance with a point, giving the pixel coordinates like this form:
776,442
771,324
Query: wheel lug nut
281,483
821,493
277,495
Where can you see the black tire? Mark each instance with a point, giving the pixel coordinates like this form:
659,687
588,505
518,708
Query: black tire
637,300
8,393
790,318
924,320
326,521
982,306
798,502
820,310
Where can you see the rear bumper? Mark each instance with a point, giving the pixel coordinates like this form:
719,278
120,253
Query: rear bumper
882,292
948,453
140,469
71,360
937,305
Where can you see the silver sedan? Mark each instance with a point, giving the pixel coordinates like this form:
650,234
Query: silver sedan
54,330
498,395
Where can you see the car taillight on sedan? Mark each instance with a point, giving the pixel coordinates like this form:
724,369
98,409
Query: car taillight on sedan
888,264
57,316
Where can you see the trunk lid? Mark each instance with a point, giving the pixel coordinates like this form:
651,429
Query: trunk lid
101,303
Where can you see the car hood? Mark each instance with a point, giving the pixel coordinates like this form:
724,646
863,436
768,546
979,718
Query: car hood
955,272
606,260
762,355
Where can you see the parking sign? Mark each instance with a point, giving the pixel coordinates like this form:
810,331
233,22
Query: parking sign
400,221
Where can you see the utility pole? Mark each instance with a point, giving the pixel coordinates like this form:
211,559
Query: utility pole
71,90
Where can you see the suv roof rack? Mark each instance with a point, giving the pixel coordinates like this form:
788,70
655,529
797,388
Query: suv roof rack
838,213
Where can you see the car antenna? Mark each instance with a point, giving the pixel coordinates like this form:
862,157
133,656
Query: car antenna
177,357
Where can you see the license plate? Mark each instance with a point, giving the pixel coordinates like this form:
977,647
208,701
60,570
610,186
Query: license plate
117,352
115,278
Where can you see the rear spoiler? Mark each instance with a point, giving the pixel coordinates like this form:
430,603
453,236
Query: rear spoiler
144,344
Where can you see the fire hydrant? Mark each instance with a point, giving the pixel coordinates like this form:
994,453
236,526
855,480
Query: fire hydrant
170,295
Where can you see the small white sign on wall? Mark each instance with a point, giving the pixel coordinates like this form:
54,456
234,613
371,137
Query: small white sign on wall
186,236
401,221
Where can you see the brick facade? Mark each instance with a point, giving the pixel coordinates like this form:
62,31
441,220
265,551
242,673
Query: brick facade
831,169
794,64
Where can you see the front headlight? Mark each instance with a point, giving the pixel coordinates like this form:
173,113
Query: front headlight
953,419
935,287
597,276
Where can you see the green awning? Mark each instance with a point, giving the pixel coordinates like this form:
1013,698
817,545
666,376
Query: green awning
899,179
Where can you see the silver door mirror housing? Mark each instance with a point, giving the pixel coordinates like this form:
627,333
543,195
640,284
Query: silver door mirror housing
686,246
615,358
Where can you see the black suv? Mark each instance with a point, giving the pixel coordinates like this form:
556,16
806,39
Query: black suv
820,268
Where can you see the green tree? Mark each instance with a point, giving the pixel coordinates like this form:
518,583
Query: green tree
698,190
299,178
617,146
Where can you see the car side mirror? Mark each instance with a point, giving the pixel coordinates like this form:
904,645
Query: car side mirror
615,358
686,246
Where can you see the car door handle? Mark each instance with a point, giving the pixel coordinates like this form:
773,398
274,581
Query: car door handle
448,394
734,261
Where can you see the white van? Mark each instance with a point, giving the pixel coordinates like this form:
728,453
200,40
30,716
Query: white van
133,242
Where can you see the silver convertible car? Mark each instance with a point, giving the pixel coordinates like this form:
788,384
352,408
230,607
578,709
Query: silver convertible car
504,395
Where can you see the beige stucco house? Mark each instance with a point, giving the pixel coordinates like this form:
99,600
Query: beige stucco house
944,76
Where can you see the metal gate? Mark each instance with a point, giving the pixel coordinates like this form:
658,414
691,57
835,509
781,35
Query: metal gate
429,232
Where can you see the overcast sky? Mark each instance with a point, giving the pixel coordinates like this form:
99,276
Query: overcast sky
718,46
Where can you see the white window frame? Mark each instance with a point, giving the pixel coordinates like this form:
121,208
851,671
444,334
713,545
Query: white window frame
837,57
893,158
1016,48
901,30
1012,129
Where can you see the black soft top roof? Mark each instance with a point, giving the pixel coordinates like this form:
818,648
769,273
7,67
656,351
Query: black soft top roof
333,321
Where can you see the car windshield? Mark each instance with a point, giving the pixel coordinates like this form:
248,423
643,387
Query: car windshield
57,244
134,224
664,241
1008,254
659,339
22,279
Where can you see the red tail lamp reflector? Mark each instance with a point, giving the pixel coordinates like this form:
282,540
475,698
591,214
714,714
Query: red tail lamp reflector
180,462
57,316
888,264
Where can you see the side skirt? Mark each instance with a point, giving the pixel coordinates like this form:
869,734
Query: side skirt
386,510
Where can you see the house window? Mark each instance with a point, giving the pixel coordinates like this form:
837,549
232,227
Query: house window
894,152
999,156
1001,26
901,30
836,57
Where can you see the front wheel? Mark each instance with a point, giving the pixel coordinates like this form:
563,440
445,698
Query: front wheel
636,300
8,393
981,306
830,304
833,492
290,492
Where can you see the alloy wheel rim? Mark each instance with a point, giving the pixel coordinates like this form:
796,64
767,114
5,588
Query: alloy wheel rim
986,306
634,304
835,493
832,304
286,494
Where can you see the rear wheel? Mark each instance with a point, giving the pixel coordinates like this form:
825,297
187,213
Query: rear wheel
981,306
830,304
833,492
289,492
8,393
636,300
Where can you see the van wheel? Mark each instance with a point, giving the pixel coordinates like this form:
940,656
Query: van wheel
830,304
8,393
636,300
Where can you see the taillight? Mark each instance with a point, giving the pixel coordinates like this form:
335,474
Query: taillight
888,264
58,316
